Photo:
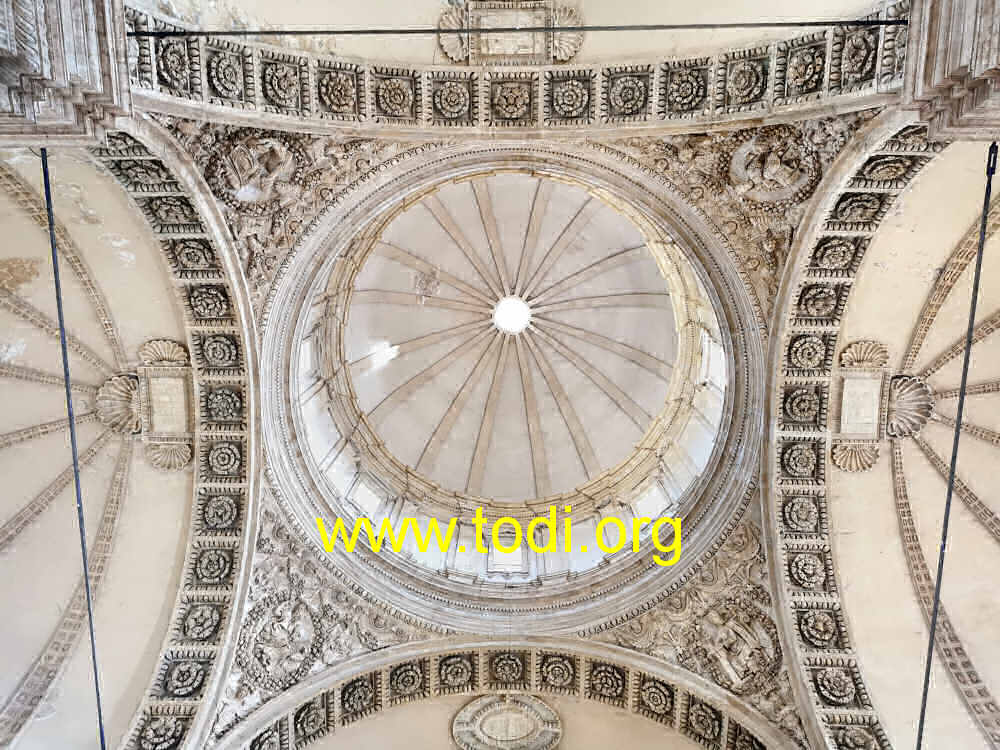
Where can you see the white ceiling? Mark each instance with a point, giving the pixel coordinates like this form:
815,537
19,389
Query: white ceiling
597,46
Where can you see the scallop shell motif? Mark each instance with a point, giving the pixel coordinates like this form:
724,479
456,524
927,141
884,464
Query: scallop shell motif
454,45
864,354
168,456
855,457
163,352
118,404
565,44
910,404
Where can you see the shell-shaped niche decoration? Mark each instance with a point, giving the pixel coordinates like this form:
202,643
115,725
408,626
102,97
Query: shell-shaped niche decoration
855,457
118,404
911,402
864,354
565,44
168,456
160,352
454,45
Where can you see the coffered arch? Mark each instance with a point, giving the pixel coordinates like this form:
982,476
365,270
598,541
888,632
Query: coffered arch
812,462
367,688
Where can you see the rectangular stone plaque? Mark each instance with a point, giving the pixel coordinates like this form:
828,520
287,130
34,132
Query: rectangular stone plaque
859,405
168,405
509,48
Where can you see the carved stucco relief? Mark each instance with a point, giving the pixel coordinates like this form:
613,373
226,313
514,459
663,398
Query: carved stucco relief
300,617
272,184
753,183
721,626
201,414
825,664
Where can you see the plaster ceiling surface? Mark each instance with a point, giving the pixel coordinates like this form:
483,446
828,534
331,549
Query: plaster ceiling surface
135,529
510,416
429,407
597,46
872,511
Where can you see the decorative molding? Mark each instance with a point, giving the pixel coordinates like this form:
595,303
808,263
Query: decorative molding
33,316
187,665
33,206
460,602
15,272
27,515
46,670
31,375
300,618
561,668
980,703
954,61
781,81
25,434
63,75
271,184
721,626
826,664
953,270
755,184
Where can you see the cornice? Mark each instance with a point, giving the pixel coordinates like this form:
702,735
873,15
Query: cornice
242,83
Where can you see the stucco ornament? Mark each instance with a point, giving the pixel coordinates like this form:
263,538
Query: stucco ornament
455,17
754,182
338,91
855,457
864,354
911,402
721,626
118,404
272,184
299,619
452,100
14,272
506,722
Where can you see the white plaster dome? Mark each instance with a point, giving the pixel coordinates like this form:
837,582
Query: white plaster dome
511,328
514,341
509,337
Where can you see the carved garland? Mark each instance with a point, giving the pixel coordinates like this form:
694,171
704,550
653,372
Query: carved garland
826,658
221,451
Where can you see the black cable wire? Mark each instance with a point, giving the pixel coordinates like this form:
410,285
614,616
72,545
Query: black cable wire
72,439
430,30
991,168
